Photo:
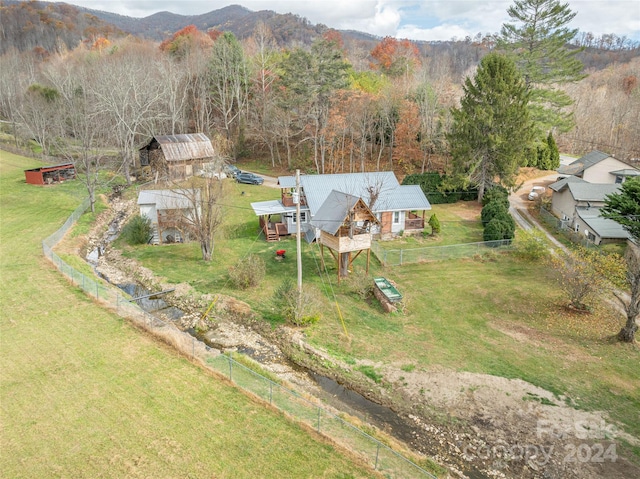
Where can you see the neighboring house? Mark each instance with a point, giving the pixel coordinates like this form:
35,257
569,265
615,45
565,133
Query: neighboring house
572,192
597,229
577,203
599,167
398,208
168,210
178,156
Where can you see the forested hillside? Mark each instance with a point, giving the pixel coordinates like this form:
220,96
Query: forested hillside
274,88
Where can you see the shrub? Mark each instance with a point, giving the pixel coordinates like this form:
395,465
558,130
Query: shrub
432,185
491,210
300,309
498,194
434,222
531,245
494,230
361,285
248,272
138,230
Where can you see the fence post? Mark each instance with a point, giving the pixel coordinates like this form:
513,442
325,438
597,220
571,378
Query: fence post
193,347
319,413
375,468
230,369
270,392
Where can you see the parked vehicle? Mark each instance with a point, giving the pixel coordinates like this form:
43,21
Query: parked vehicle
249,178
232,170
535,192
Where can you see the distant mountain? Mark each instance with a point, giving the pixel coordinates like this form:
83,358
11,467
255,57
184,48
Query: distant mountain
48,27
288,29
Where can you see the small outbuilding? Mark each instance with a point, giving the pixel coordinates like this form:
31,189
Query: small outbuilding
47,175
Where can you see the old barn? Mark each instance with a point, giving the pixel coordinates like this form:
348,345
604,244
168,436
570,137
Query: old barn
177,156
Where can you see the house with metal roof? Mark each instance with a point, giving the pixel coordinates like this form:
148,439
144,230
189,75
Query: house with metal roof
399,209
168,211
597,229
577,203
599,167
178,156
573,192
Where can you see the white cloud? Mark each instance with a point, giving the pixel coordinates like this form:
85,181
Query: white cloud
416,19
441,32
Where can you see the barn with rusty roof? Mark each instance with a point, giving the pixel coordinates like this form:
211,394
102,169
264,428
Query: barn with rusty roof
177,156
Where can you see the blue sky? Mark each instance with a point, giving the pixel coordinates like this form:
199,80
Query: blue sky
413,19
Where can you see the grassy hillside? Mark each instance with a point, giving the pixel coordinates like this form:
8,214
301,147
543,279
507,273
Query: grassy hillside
500,316
83,394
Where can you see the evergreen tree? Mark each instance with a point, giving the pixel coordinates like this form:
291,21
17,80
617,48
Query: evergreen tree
539,45
554,154
491,129
624,207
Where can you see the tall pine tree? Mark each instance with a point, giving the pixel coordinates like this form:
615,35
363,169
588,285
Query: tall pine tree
538,43
491,129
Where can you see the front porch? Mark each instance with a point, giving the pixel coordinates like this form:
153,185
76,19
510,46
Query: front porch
273,230
414,222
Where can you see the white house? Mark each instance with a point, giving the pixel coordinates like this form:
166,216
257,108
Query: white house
169,211
599,168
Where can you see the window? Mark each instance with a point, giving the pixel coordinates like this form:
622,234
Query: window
618,179
396,217
303,217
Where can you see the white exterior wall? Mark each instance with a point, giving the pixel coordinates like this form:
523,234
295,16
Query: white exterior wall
562,204
399,226
581,228
599,173
150,212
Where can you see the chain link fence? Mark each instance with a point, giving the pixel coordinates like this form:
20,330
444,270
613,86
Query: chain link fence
398,257
380,456
562,228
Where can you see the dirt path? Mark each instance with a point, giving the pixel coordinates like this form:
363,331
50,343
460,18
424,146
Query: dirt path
476,425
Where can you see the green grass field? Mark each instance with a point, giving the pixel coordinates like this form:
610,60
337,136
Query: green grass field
500,315
84,394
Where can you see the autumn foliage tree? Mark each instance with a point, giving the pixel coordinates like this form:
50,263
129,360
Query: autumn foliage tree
395,57
185,40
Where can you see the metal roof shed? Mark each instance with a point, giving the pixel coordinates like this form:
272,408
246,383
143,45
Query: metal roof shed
45,175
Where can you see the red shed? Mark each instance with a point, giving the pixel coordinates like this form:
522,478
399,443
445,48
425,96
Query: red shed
45,175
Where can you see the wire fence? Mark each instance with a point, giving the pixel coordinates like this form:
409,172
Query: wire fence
380,456
562,228
398,257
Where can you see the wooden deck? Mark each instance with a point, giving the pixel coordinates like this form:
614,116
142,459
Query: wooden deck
273,231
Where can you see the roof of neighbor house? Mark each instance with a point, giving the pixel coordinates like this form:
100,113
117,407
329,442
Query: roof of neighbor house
392,196
626,172
603,227
581,164
168,199
560,184
274,207
334,211
584,191
191,146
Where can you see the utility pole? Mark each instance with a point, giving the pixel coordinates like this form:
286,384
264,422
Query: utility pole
296,199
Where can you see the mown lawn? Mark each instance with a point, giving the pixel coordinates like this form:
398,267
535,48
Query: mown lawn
500,315
84,394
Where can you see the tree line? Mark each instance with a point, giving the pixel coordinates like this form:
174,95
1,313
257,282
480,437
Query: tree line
329,107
